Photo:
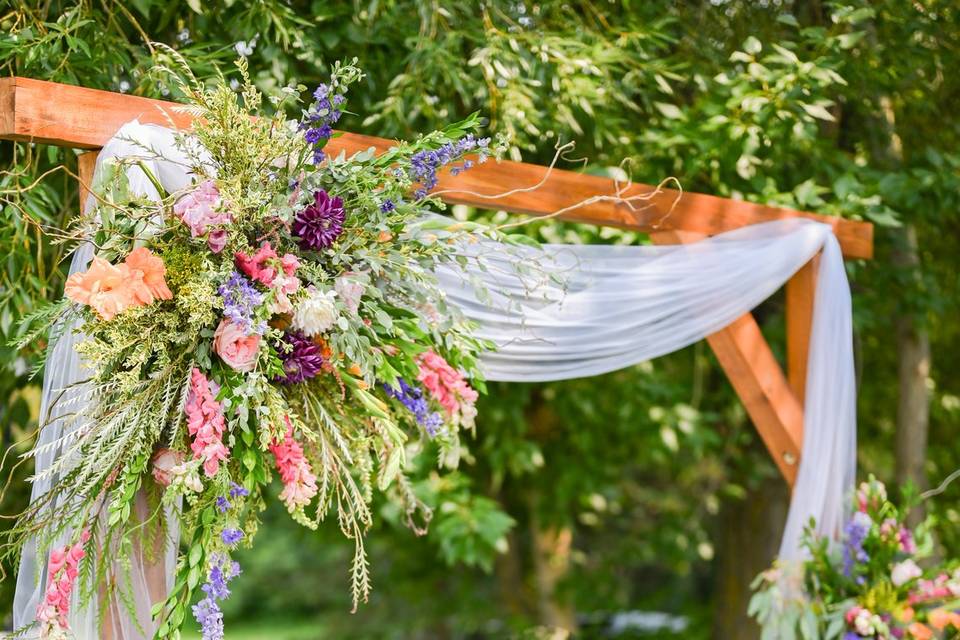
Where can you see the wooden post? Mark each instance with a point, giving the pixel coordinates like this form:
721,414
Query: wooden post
759,381
801,292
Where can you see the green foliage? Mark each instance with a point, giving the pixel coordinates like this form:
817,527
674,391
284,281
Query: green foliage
787,103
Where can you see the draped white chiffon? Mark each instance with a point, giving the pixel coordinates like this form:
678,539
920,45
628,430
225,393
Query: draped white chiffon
582,310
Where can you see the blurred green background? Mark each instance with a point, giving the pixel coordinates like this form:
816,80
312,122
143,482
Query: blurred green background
637,504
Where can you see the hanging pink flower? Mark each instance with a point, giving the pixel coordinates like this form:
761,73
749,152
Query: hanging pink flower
163,462
205,423
62,572
299,483
446,385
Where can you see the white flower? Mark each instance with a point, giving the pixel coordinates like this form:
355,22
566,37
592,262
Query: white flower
316,313
350,291
865,623
904,572
185,476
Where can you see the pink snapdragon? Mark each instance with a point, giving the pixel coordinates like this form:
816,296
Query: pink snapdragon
299,483
273,271
447,386
934,589
62,571
265,265
205,423
201,209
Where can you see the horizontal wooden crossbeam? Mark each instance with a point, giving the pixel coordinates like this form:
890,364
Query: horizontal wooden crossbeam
65,115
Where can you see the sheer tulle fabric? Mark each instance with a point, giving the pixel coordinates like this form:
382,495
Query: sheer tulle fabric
568,311
64,396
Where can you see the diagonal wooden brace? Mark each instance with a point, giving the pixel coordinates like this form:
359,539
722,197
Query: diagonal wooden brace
757,378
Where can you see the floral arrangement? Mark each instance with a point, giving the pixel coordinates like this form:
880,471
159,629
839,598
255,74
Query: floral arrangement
279,317
870,585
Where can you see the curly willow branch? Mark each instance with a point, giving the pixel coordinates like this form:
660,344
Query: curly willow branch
618,196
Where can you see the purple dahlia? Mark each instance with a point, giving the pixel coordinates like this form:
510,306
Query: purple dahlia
303,361
318,225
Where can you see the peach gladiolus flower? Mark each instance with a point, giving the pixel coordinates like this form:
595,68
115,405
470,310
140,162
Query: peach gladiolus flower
104,287
920,631
110,289
152,272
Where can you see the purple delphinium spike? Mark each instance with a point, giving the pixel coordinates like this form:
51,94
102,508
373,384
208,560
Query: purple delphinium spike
231,537
855,532
412,398
424,165
207,611
240,302
325,111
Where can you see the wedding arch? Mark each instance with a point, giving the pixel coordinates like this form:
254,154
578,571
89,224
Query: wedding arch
35,111
779,404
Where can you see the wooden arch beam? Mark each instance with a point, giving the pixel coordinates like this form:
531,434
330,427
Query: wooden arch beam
70,116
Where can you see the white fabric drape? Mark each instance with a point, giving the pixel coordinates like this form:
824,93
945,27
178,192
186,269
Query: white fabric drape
64,392
583,310
569,311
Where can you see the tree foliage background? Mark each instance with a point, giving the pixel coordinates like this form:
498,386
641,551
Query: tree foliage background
646,489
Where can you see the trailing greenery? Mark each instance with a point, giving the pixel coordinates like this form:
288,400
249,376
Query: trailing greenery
801,103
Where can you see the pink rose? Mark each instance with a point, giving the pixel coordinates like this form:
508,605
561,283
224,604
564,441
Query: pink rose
163,462
235,347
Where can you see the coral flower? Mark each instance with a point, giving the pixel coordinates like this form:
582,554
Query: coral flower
151,271
920,631
205,423
299,482
104,287
110,289
445,383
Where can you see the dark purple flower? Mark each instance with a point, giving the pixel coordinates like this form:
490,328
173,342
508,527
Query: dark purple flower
222,504
312,136
317,226
387,205
237,491
302,361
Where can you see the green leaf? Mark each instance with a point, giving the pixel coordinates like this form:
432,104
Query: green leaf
752,46
196,554
818,111
671,111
